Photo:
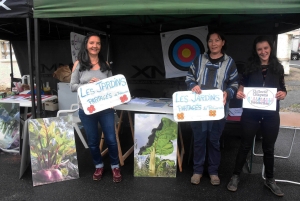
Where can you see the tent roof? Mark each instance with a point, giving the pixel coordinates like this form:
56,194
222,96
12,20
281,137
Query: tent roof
153,17
156,16
11,23
79,8
16,9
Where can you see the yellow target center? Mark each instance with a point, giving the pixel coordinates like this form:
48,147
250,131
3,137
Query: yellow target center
186,53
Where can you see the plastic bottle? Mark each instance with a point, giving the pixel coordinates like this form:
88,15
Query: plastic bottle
47,89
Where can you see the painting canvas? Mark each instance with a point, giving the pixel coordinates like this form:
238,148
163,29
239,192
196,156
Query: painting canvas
9,126
155,146
52,150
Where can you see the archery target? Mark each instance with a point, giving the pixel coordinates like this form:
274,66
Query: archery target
183,50
180,48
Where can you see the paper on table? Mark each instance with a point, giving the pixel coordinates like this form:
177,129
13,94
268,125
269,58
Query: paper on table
156,104
235,112
140,101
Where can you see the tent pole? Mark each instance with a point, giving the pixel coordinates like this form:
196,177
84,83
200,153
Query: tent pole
74,25
37,68
28,26
11,67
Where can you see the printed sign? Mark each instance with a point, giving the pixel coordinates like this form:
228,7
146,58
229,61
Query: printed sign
104,94
76,40
260,98
189,106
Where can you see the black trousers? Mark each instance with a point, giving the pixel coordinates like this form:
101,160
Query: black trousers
251,121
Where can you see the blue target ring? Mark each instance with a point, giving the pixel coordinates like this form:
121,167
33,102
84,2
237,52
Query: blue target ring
183,50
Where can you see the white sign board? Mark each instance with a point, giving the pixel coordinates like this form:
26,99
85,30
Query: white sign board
76,40
104,94
260,98
189,106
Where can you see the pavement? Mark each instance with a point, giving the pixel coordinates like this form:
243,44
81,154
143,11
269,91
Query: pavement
291,103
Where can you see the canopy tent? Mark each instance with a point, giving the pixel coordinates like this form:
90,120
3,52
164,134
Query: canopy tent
16,9
13,24
12,18
76,8
143,17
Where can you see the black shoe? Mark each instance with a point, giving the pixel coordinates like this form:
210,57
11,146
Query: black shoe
233,184
271,184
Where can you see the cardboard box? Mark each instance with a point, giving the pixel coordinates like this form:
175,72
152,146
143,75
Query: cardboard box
51,105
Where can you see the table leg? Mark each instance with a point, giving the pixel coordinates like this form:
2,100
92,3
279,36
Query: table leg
180,155
122,156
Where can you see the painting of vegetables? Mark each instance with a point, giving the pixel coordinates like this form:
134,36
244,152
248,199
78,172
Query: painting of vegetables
52,150
155,145
9,126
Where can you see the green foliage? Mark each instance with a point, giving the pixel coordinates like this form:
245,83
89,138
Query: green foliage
164,168
159,143
162,142
49,143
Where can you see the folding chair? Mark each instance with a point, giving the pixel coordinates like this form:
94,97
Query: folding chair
289,120
75,121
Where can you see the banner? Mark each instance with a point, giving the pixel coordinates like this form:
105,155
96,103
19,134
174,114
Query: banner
260,98
76,40
180,48
189,106
104,94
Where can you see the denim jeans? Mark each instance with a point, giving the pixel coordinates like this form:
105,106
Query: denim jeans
106,119
251,121
207,137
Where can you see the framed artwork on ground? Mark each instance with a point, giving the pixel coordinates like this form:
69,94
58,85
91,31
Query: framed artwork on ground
155,146
52,150
9,126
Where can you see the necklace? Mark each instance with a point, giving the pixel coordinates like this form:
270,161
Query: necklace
95,63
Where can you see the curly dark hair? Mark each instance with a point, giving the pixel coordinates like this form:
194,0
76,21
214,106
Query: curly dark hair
221,35
84,59
254,62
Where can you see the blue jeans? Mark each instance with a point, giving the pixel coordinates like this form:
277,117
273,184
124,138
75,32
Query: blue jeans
207,137
106,119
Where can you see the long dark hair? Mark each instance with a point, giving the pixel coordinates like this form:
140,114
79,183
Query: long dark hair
254,62
221,35
84,59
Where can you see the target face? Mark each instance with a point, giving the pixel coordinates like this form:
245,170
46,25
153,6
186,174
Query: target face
183,50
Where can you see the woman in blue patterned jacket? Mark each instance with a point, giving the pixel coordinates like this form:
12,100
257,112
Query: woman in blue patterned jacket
211,70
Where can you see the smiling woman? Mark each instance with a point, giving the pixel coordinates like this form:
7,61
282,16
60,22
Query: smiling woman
89,68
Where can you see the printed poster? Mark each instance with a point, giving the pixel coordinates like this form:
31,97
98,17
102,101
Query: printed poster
52,150
189,106
155,146
76,40
9,126
180,48
104,94
260,98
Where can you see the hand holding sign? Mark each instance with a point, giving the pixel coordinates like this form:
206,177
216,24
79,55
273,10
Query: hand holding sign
190,106
103,94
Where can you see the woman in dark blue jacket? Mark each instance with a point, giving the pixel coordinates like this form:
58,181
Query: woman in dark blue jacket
263,70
